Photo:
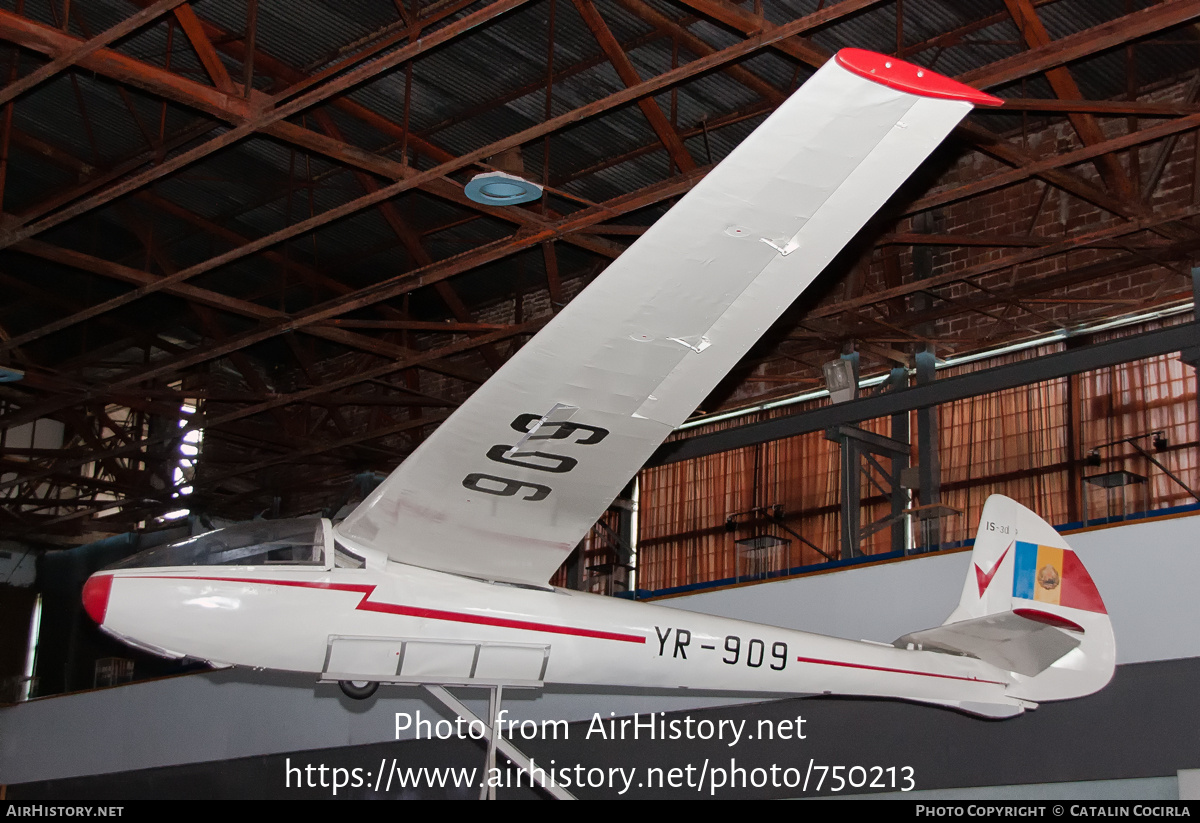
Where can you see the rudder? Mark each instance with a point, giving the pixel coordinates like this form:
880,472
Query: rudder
1028,606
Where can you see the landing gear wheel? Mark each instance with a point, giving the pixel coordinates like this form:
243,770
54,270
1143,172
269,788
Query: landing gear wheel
358,689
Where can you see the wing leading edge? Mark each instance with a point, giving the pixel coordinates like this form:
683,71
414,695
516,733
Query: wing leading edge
512,481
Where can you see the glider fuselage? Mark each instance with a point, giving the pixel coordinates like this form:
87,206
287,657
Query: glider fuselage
403,624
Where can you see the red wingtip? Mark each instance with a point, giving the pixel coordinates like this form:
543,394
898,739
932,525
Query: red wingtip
897,74
95,596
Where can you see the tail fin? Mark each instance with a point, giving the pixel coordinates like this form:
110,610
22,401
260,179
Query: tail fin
1028,606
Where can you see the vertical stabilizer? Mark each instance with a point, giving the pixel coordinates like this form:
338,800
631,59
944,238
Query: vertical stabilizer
1029,607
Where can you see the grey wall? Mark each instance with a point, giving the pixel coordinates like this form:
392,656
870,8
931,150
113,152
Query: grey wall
1146,574
1144,725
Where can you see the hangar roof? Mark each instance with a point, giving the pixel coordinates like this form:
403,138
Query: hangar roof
213,212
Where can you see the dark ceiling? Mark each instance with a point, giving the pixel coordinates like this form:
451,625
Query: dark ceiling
256,209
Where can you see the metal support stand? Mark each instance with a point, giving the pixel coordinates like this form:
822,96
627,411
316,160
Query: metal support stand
901,499
930,488
624,506
623,574
760,540
1152,459
497,741
1191,354
859,450
621,545
1114,480
851,496
487,790
575,568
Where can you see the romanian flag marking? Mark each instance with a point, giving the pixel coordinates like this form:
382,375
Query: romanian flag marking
1047,574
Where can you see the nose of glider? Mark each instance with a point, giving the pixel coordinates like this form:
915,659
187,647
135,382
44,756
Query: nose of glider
95,596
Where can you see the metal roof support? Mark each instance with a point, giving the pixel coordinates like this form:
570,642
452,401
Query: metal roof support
371,295
630,77
1033,31
206,297
65,372
1047,56
1024,289
747,22
66,60
233,109
412,244
412,360
193,30
260,117
898,381
860,451
1046,367
1038,168
1084,43
32,35
1008,260
231,44
677,29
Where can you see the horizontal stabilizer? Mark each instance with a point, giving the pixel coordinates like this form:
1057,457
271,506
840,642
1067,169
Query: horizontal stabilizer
992,711
1008,640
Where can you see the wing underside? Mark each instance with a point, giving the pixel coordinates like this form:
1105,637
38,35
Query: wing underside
512,481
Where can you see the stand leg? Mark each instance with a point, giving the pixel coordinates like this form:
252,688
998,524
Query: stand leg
495,695
497,741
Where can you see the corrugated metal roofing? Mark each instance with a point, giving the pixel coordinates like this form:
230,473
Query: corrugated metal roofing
466,94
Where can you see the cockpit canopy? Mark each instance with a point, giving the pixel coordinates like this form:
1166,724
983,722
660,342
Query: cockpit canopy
296,542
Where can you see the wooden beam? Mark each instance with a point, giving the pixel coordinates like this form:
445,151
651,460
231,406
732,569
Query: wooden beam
1084,43
194,31
630,77
748,22
274,110
1107,108
1046,167
677,30
1008,260
214,422
1036,36
127,26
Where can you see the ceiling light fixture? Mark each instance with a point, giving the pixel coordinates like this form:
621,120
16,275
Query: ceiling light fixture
495,188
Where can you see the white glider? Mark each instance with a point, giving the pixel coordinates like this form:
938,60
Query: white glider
440,576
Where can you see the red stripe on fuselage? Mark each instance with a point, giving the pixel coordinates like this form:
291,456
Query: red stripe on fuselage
894,671
415,611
